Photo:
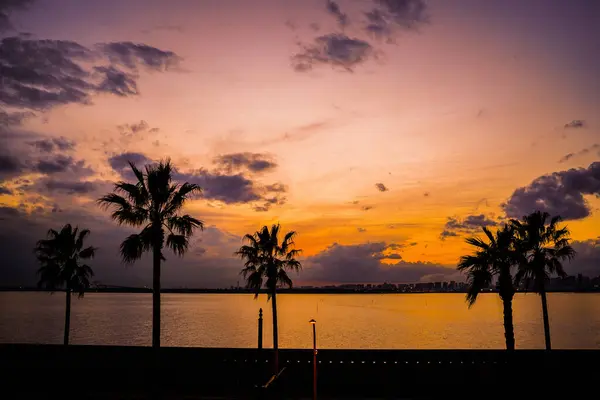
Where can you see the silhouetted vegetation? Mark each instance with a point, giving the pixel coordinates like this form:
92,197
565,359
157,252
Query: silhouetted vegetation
267,261
60,256
153,203
542,247
493,259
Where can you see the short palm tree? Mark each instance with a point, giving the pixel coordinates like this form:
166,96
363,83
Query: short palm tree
60,256
153,203
492,258
267,261
542,247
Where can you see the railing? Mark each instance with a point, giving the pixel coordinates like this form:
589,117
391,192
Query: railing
344,373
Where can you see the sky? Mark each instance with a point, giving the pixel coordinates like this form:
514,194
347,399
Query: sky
384,132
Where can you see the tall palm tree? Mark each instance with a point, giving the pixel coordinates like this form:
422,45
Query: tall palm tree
492,258
542,247
268,260
60,256
153,203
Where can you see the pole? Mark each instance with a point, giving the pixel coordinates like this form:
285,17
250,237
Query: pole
260,329
314,328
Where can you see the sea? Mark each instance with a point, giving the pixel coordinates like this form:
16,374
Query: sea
343,321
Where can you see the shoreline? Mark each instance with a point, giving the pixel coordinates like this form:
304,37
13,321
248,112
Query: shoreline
281,291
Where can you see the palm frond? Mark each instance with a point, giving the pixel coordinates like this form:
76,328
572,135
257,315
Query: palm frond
88,252
542,246
283,279
177,243
477,280
124,212
477,242
268,258
292,254
135,245
135,193
138,174
254,281
180,196
59,258
184,225
82,235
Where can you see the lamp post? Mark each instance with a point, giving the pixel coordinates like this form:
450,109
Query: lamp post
260,329
314,329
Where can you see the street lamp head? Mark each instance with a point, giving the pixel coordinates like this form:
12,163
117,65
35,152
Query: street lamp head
312,321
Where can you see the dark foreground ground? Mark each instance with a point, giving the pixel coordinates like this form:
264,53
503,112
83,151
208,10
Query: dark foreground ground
110,372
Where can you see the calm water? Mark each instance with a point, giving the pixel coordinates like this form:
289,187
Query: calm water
383,321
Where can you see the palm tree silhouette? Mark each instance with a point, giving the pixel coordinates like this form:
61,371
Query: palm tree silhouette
268,260
154,203
542,246
60,256
493,258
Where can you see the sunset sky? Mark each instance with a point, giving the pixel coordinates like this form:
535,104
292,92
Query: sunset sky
383,131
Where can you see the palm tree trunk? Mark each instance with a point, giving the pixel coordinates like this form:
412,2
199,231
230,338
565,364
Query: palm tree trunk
156,297
509,331
275,330
67,316
546,319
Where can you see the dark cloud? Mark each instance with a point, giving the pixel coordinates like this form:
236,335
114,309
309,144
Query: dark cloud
393,257
276,188
576,123
587,260
60,163
334,49
581,152
446,234
121,161
117,82
389,16
229,189
133,54
39,74
13,118
139,127
70,187
399,246
560,193
4,190
362,263
43,73
49,145
136,128
9,164
333,8
26,152
377,24
470,224
219,185
381,187
7,7
566,157
366,208
253,162
235,189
